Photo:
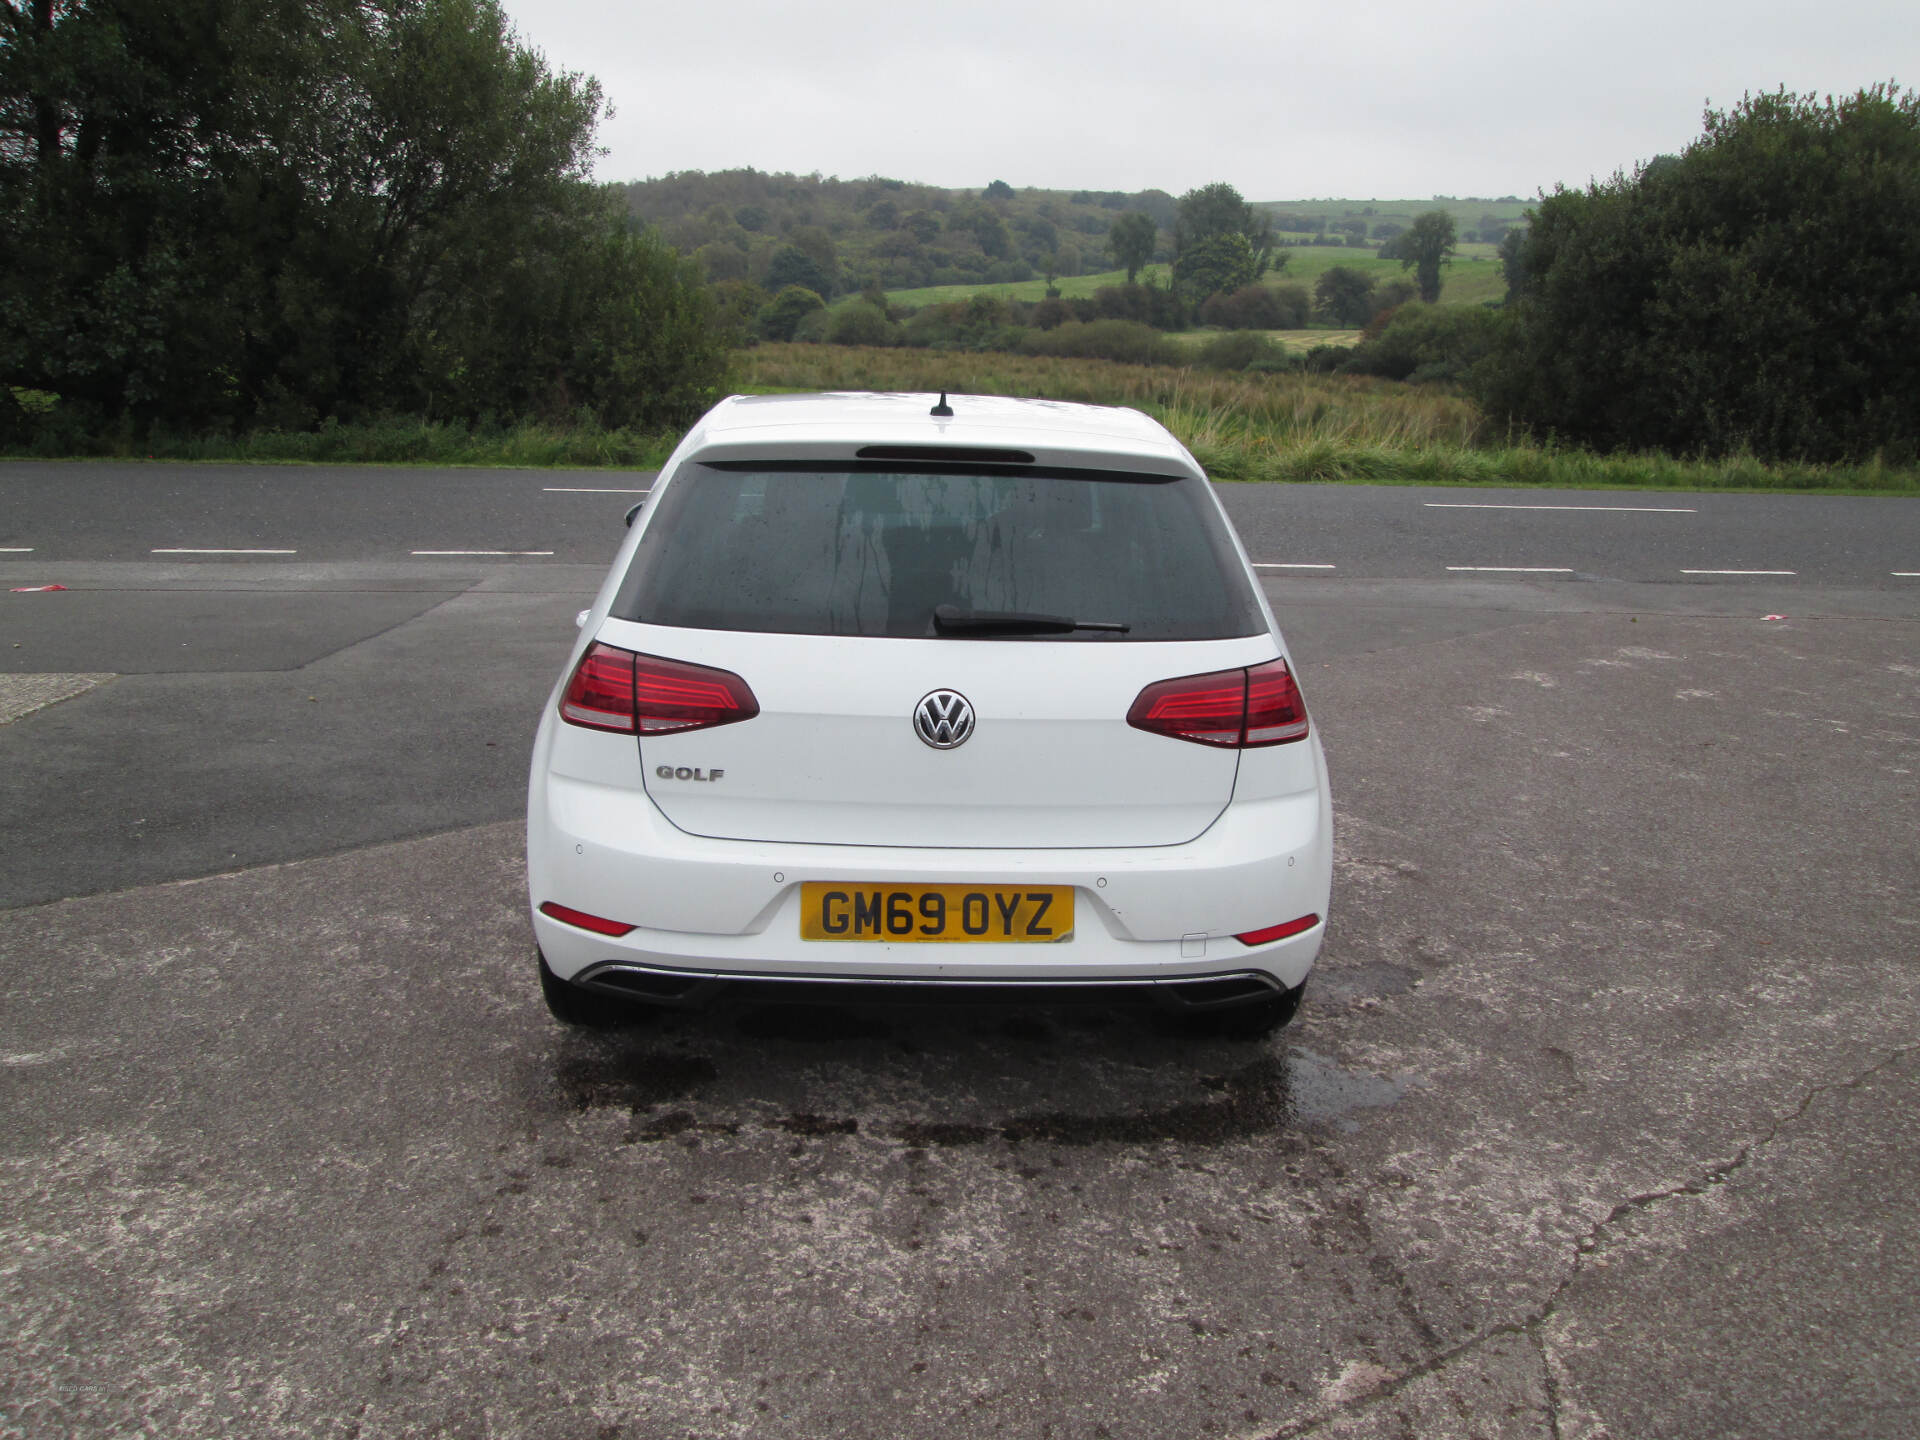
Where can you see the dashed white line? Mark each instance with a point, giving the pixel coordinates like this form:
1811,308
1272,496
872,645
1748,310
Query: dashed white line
1736,572
16,549
1516,569
1905,574
1288,565
588,490
1620,509
480,552
210,550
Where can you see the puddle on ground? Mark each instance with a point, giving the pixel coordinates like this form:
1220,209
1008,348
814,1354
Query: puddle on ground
950,1079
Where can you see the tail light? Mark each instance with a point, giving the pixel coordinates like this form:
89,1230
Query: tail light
1236,709
614,689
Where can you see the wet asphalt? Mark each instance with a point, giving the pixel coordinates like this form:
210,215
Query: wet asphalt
1599,1119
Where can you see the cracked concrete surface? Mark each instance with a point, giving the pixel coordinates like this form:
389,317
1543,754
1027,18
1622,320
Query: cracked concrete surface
1599,1121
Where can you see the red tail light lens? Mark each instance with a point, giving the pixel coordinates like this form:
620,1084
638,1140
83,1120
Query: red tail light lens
1206,709
1235,709
1275,711
672,695
600,694
614,689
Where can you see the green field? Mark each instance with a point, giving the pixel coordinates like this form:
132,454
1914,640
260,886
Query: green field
1297,340
1472,279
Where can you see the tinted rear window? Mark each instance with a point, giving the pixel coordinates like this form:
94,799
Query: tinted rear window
871,550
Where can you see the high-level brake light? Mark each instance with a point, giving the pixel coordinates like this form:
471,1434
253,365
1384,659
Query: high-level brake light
1235,709
614,689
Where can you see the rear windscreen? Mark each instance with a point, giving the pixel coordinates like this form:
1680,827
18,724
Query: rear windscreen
873,550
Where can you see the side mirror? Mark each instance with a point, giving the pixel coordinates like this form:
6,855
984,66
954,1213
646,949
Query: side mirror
634,512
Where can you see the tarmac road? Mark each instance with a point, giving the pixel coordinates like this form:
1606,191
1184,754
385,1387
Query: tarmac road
1599,1120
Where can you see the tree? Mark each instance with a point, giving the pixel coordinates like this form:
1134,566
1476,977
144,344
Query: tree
998,190
1216,210
1344,296
1427,245
228,214
1220,242
1219,262
1513,264
1754,293
782,315
791,265
1131,240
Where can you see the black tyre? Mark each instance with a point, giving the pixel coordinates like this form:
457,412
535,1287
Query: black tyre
1255,1019
572,1004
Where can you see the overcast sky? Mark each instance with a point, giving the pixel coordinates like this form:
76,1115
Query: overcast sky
1371,98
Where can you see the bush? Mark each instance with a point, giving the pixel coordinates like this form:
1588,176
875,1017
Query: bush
1051,312
1425,343
1343,295
1145,304
813,326
1388,296
861,323
1244,350
1257,307
1325,359
1124,340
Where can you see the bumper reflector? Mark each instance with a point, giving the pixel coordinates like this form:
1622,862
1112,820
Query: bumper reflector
597,924
1278,932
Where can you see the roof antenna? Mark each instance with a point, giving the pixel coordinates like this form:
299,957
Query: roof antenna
943,409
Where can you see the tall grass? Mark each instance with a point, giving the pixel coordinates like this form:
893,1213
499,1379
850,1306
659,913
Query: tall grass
1299,427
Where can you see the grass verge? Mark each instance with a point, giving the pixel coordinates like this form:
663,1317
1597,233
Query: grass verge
401,441
1303,428
1315,428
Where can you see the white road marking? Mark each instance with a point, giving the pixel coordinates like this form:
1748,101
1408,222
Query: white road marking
1288,565
588,490
1736,572
16,549
1622,509
207,550
480,552
1907,574
1516,569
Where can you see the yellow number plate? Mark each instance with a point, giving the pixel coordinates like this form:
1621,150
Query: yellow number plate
844,910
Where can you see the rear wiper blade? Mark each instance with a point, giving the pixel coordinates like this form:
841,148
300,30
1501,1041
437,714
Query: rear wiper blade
1015,622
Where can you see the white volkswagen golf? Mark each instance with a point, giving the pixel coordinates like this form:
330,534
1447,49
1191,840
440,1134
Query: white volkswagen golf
937,698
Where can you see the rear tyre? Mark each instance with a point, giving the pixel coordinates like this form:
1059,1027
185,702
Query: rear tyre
572,1004
1254,1020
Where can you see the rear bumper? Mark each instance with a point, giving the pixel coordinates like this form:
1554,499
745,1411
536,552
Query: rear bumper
709,912
695,989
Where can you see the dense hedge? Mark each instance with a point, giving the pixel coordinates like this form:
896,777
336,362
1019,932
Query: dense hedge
1759,293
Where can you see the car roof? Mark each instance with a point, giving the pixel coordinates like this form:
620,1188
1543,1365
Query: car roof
833,425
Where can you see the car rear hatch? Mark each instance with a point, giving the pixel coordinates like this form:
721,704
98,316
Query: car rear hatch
1025,608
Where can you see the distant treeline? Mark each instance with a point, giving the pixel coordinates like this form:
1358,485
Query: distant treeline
837,236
